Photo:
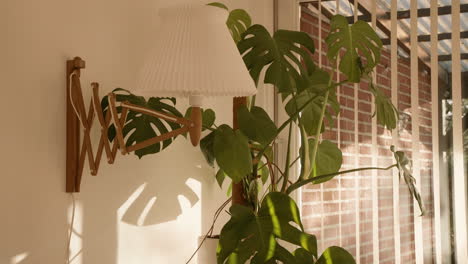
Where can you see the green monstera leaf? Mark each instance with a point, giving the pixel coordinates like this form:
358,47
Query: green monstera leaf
208,117
310,115
404,171
328,160
232,153
238,21
335,255
139,127
207,148
355,39
387,114
254,236
220,176
256,125
286,56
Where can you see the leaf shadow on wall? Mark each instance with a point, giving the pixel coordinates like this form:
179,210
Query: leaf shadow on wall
152,204
142,193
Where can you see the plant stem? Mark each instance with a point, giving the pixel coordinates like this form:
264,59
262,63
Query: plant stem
210,231
294,161
288,159
299,184
285,124
322,115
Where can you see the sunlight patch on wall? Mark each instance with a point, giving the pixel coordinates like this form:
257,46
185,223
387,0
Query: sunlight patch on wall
144,213
149,236
131,199
19,258
76,240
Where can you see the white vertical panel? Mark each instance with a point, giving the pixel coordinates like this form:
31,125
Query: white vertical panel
338,137
287,15
459,177
375,183
320,32
322,231
418,229
435,129
357,194
394,84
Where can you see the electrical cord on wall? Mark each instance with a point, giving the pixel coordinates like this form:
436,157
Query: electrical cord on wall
72,221
70,94
70,233
210,231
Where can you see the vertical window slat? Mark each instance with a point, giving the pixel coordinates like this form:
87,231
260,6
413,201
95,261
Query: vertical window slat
357,194
374,175
435,128
322,226
394,86
338,138
418,228
459,189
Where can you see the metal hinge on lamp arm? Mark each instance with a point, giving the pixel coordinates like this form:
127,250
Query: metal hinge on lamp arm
80,119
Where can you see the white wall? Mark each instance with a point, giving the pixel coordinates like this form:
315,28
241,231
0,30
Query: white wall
36,38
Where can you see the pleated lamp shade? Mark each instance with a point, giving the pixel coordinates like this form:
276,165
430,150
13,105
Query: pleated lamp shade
195,56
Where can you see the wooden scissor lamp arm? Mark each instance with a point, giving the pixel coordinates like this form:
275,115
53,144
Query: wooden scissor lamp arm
78,119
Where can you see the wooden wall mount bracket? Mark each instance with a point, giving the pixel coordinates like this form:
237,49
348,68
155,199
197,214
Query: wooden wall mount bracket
78,119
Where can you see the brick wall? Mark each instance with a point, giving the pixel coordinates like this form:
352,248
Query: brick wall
329,210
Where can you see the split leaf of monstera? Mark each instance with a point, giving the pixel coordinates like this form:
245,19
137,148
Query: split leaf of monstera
232,153
250,235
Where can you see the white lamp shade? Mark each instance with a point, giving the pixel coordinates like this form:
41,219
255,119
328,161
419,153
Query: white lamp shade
195,56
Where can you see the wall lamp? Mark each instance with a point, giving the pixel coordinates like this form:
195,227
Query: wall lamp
195,57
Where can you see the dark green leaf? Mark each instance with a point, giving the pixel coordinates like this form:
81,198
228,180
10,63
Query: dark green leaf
220,176
232,153
283,255
229,190
208,118
140,127
319,81
303,256
263,171
304,152
336,255
256,125
217,4
355,39
207,148
328,160
286,56
387,114
404,171
238,22
269,153
310,115
256,235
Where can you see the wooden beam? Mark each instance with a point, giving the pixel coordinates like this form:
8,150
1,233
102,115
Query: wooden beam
448,57
422,12
313,1
427,38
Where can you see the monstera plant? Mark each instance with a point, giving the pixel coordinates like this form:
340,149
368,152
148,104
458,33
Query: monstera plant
268,224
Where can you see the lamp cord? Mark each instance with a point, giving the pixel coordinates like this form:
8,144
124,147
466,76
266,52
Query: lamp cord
72,221
71,98
210,231
67,260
